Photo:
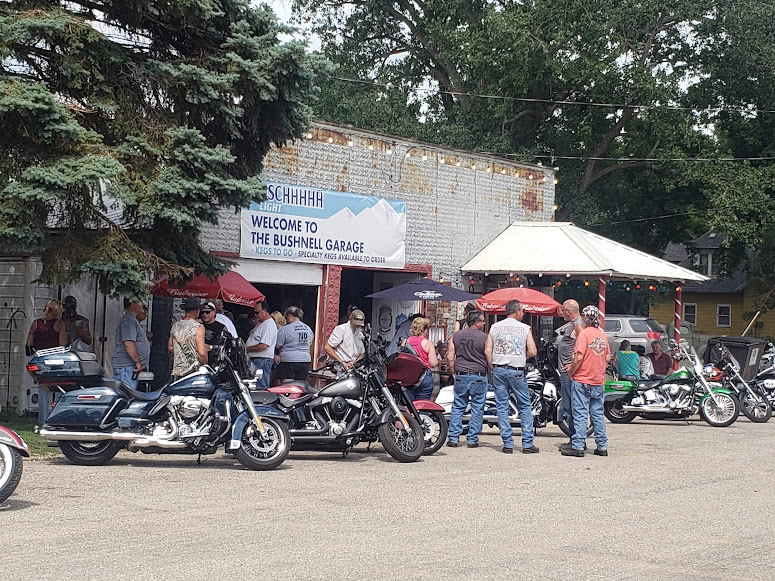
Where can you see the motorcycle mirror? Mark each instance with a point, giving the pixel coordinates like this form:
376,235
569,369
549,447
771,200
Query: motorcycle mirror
258,374
672,343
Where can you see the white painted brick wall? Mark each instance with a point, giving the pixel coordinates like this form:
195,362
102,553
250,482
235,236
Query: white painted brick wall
452,212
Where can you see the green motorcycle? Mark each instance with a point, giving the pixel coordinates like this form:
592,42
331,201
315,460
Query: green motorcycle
681,394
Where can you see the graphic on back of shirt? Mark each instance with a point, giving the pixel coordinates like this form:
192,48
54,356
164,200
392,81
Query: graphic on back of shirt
598,345
509,344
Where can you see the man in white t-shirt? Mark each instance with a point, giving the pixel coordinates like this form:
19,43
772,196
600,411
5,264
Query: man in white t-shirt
346,341
261,343
223,318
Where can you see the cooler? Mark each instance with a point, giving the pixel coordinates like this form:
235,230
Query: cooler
746,350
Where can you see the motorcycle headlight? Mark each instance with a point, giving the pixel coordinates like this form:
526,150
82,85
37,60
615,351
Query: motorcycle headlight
550,390
769,383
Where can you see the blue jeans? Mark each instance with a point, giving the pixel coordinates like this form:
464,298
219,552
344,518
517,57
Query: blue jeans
125,375
588,403
423,389
506,381
473,387
566,402
265,364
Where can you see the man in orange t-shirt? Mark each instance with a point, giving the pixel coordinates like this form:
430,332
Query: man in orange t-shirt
587,370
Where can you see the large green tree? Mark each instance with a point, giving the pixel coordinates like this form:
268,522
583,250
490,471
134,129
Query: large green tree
126,124
648,59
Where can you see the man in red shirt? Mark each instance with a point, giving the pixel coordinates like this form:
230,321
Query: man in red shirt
590,359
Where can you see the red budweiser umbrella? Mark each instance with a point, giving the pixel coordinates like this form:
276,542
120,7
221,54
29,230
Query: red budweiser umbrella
231,287
533,301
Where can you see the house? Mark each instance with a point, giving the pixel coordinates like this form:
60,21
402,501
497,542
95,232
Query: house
723,305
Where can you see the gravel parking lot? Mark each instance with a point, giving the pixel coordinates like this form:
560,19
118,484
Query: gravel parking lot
673,500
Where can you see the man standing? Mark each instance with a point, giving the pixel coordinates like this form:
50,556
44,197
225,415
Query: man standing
662,362
132,348
223,318
346,341
590,359
261,343
468,365
508,346
568,334
215,331
294,342
76,326
187,340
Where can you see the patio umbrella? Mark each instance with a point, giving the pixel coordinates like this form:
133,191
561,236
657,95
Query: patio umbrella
533,301
231,287
423,289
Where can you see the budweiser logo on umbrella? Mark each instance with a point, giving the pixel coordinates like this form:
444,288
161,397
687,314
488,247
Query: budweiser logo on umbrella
231,287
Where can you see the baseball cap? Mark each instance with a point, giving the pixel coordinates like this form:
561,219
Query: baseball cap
190,303
358,318
208,306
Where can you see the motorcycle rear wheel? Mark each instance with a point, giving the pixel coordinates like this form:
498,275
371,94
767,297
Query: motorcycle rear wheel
435,427
267,453
90,453
755,406
614,413
10,471
722,415
402,445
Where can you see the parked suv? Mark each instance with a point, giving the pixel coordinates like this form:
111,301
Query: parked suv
637,330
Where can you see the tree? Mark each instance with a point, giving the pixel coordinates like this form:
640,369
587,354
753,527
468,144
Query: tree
126,125
548,63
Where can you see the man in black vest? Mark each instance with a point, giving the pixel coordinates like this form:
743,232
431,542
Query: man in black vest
468,364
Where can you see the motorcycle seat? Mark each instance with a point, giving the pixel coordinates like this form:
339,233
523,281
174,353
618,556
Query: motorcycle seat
268,398
645,385
628,378
131,393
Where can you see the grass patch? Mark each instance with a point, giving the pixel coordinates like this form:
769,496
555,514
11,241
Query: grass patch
25,427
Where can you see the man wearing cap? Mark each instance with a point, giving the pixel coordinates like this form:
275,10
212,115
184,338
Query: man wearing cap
215,331
261,343
76,326
132,350
590,359
187,340
346,341
294,342
463,323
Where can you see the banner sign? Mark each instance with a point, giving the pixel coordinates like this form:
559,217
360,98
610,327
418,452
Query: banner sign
301,224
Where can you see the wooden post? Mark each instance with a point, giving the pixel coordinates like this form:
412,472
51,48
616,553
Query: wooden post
602,284
677,320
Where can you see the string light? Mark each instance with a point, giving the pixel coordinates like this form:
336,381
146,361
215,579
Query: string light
556,181
330,139
424,157
586,283
371,148
489,169
389,151
457,164
350,143
442,161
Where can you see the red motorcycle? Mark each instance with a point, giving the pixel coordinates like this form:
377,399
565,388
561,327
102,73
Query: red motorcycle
12,449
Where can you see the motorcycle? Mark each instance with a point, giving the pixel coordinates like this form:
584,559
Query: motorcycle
543,382
96,416
359,405
679,395
12,450
765,382
754,402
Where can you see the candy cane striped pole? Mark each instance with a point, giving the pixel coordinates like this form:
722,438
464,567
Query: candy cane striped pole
601,288
677,319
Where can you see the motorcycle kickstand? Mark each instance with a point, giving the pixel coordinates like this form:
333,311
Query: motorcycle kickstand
346,451
199,461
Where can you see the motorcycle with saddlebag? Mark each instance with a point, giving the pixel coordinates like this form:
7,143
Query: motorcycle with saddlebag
97,416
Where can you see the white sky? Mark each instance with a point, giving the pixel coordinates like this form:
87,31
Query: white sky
283,9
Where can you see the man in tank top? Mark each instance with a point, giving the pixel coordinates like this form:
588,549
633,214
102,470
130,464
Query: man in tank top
468,365
508,346
187,340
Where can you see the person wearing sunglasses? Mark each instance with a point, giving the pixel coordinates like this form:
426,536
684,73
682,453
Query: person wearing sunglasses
261,343
215,331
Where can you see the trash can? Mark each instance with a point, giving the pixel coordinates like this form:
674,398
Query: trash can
747,351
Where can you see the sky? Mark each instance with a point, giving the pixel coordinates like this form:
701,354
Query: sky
283,10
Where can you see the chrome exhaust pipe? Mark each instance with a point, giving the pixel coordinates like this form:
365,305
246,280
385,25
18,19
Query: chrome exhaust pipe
55,435
649,409
149,441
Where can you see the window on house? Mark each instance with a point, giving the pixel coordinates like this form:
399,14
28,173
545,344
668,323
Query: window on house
690,313
705,264
723,315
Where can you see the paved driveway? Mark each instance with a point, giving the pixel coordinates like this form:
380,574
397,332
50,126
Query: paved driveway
674,500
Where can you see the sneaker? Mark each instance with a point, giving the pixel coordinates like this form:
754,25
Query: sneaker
451,444
506,450
572,452
530,450
473,444
599,452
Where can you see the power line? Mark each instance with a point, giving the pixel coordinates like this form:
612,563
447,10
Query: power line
651,159
556,101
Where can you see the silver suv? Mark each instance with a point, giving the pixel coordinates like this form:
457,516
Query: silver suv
637,330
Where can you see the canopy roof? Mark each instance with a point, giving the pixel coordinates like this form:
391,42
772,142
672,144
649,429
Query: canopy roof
560,248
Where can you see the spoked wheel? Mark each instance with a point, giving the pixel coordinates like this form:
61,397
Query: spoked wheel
10,471
435,428
267,451
562,422
402,444
90,453
615,414
721,414
755,406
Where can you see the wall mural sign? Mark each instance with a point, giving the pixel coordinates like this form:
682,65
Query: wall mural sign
302,224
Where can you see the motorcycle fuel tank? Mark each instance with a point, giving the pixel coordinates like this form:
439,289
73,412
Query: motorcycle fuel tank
347,387
198,384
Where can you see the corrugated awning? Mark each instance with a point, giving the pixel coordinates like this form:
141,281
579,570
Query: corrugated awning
561,248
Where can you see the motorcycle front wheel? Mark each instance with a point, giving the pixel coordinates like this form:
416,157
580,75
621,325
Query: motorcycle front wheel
435,428
10,471
90,453
722,414
264,452
755,406
403,445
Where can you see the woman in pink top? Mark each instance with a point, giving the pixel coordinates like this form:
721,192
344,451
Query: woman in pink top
427,352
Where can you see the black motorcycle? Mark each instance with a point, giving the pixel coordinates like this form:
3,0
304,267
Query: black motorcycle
96,416
359,405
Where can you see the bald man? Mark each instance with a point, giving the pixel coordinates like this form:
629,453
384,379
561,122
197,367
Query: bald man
568,334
